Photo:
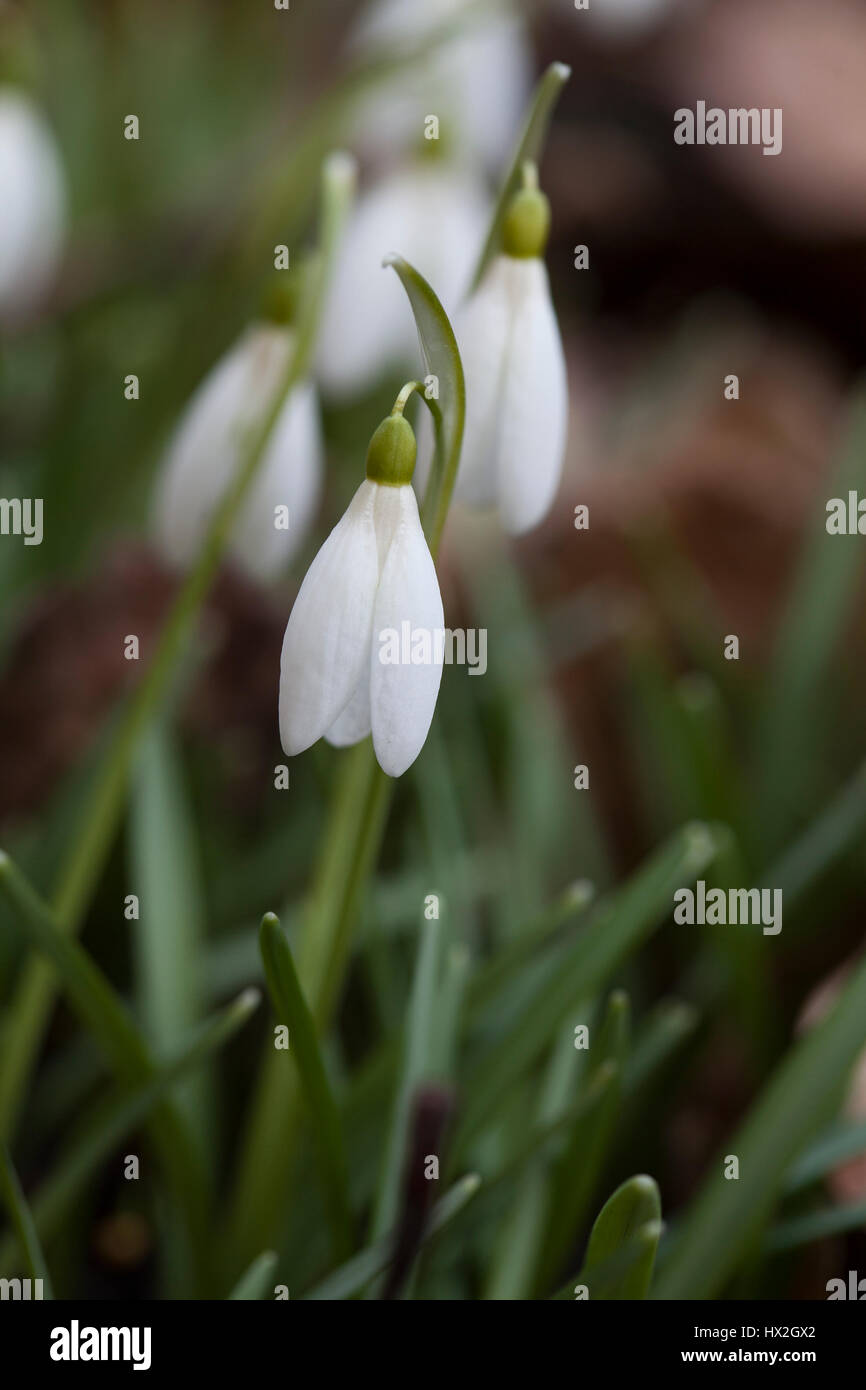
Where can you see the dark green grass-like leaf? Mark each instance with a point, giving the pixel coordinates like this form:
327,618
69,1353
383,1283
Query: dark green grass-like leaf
634,1207
804,1092
579,1167
817,1225
830,570
23,1223
291,1009
353,1277
170,926
580,967
110,1122
254,1283
124,1048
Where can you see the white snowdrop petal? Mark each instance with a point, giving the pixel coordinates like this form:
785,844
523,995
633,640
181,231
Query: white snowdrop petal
534,417
408,613
482,329
355,722
290,477
326,648
204,453
32,198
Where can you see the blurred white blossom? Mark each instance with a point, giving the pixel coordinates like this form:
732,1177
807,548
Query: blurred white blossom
207,450
477,82
32,203
435,216
516,384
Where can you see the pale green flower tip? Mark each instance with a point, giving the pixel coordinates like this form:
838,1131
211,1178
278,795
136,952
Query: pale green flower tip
392,452
527,223
342,168
248,1000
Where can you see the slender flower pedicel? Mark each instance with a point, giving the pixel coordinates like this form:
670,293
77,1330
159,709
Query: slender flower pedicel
373,573
516,387
205,453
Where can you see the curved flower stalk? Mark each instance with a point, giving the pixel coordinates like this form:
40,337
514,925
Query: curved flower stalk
204,455
476,79
516,385
33,203
437,215
373,576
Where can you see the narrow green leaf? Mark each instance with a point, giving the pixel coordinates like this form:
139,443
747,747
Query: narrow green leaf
580,967
803,1094
112,1121
22,1222
417,1067
122,1045
527,943
634,1206
352,1277
529,148
818,1225
578,1169
255,1283
609,1277
838,1145
827,839
291,1009
442,360
825,588
169,930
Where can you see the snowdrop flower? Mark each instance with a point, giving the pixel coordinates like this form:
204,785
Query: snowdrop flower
477,81
437,215
207,450
32,201
516,388
373,574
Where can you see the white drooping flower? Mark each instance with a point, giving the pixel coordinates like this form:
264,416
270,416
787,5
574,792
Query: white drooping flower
516,386
437,215
207,451
32,203
476,80
373,575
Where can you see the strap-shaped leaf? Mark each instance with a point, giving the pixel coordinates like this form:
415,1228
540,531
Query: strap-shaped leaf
442,361
630,1210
